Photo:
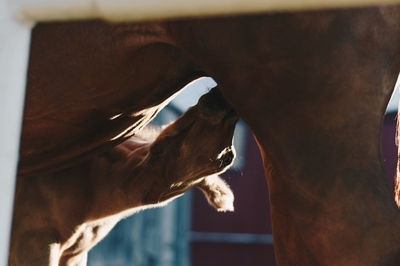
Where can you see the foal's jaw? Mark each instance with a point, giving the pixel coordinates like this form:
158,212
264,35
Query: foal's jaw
218,193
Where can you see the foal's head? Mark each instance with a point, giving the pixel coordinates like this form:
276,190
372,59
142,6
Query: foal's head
197,145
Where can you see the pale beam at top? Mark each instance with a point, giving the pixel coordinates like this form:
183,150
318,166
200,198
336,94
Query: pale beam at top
31,11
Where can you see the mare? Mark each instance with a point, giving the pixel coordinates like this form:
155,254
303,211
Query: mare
312,85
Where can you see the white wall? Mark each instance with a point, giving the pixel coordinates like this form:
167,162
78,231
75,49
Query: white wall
14,45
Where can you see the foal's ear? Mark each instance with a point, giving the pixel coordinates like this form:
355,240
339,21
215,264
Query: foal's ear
213,107
218,193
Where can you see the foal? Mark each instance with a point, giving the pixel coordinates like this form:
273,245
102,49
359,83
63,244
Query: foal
59,217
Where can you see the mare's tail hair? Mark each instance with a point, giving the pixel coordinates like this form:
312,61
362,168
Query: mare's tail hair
397,182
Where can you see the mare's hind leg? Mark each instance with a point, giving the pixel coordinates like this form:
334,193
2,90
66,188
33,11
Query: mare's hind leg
313,87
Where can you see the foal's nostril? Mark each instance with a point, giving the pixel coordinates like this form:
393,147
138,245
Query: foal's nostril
227,159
